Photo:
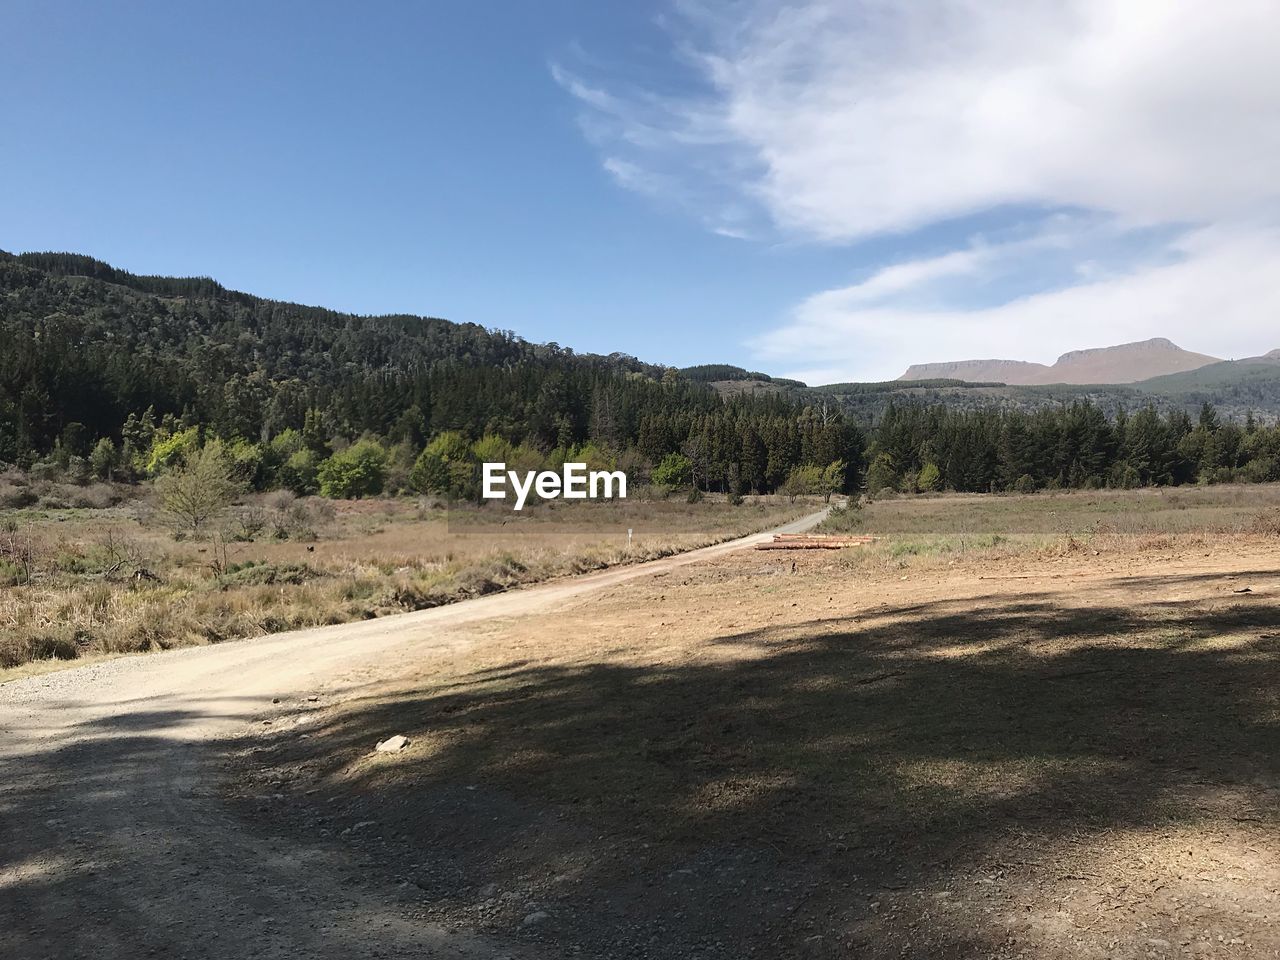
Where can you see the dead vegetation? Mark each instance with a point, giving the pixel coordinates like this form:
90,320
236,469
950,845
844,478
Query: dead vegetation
83,582
1226,509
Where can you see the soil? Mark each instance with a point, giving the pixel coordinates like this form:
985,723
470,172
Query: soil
722,755
1068,756
116,840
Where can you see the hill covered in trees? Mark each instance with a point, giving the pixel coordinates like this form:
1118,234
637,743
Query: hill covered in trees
107,373
90,353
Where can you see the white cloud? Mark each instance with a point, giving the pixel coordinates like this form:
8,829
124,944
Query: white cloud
840,120
1221,296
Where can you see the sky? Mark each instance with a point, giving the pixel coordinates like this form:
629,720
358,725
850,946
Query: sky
823,190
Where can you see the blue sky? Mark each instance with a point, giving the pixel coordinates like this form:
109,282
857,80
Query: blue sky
816,189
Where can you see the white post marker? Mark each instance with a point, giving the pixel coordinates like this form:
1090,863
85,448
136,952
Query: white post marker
628,538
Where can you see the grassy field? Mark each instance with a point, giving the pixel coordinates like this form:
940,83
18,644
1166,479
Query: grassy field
1021,748
1167,510
83,581
944,528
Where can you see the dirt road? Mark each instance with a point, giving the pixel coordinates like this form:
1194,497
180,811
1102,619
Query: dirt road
113,842
1068,754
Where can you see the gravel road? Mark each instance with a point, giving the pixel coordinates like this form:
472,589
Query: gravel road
114,844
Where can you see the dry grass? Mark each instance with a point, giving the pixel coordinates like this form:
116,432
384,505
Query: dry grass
1168,510
932,532
18,491
80,582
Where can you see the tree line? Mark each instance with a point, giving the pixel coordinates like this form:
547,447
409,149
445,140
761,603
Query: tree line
1073,446
103,373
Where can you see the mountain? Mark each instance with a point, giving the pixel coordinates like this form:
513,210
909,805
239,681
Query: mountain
974,371
1125,363
1251,383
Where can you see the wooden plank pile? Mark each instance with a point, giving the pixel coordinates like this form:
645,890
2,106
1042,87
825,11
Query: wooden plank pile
814,541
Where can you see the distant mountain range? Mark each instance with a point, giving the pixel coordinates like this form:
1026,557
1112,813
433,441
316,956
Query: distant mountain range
1129,376
1125,363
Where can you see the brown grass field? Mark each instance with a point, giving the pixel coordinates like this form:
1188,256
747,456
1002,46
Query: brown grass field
84,582
1040,726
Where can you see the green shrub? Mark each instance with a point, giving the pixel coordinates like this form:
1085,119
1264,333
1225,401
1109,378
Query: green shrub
298,472
200,489
255,573
882,474
843,519
1026,484
430,474
810,480
675,470
11,574
358,471
1262,470
169,451
104,459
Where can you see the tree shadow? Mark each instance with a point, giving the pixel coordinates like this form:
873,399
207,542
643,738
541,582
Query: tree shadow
801,790
761,801
115,842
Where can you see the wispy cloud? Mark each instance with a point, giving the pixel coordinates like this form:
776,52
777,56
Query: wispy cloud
834,122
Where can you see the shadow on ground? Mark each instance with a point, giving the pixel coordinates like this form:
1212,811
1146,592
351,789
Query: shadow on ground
115,844
809,790
765,802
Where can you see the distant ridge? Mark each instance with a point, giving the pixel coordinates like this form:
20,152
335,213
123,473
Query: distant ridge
1000,371
1124,363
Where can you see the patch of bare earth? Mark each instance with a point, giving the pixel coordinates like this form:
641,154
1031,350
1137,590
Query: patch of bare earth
1049,756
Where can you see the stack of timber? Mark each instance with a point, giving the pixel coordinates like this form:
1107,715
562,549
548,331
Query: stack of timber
813,541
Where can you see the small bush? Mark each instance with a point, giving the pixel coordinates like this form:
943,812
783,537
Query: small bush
58,644
250,520
45,472
929,479
95,496
298,472
14,497
882,474
675,470
258,574
55,498
199,490
1261,470
358,471
11,574
1026,484
843,519
1267,524
294,519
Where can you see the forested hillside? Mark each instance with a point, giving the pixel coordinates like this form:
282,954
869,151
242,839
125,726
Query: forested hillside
90,353
103,373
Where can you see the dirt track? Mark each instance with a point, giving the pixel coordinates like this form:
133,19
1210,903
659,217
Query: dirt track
114,844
